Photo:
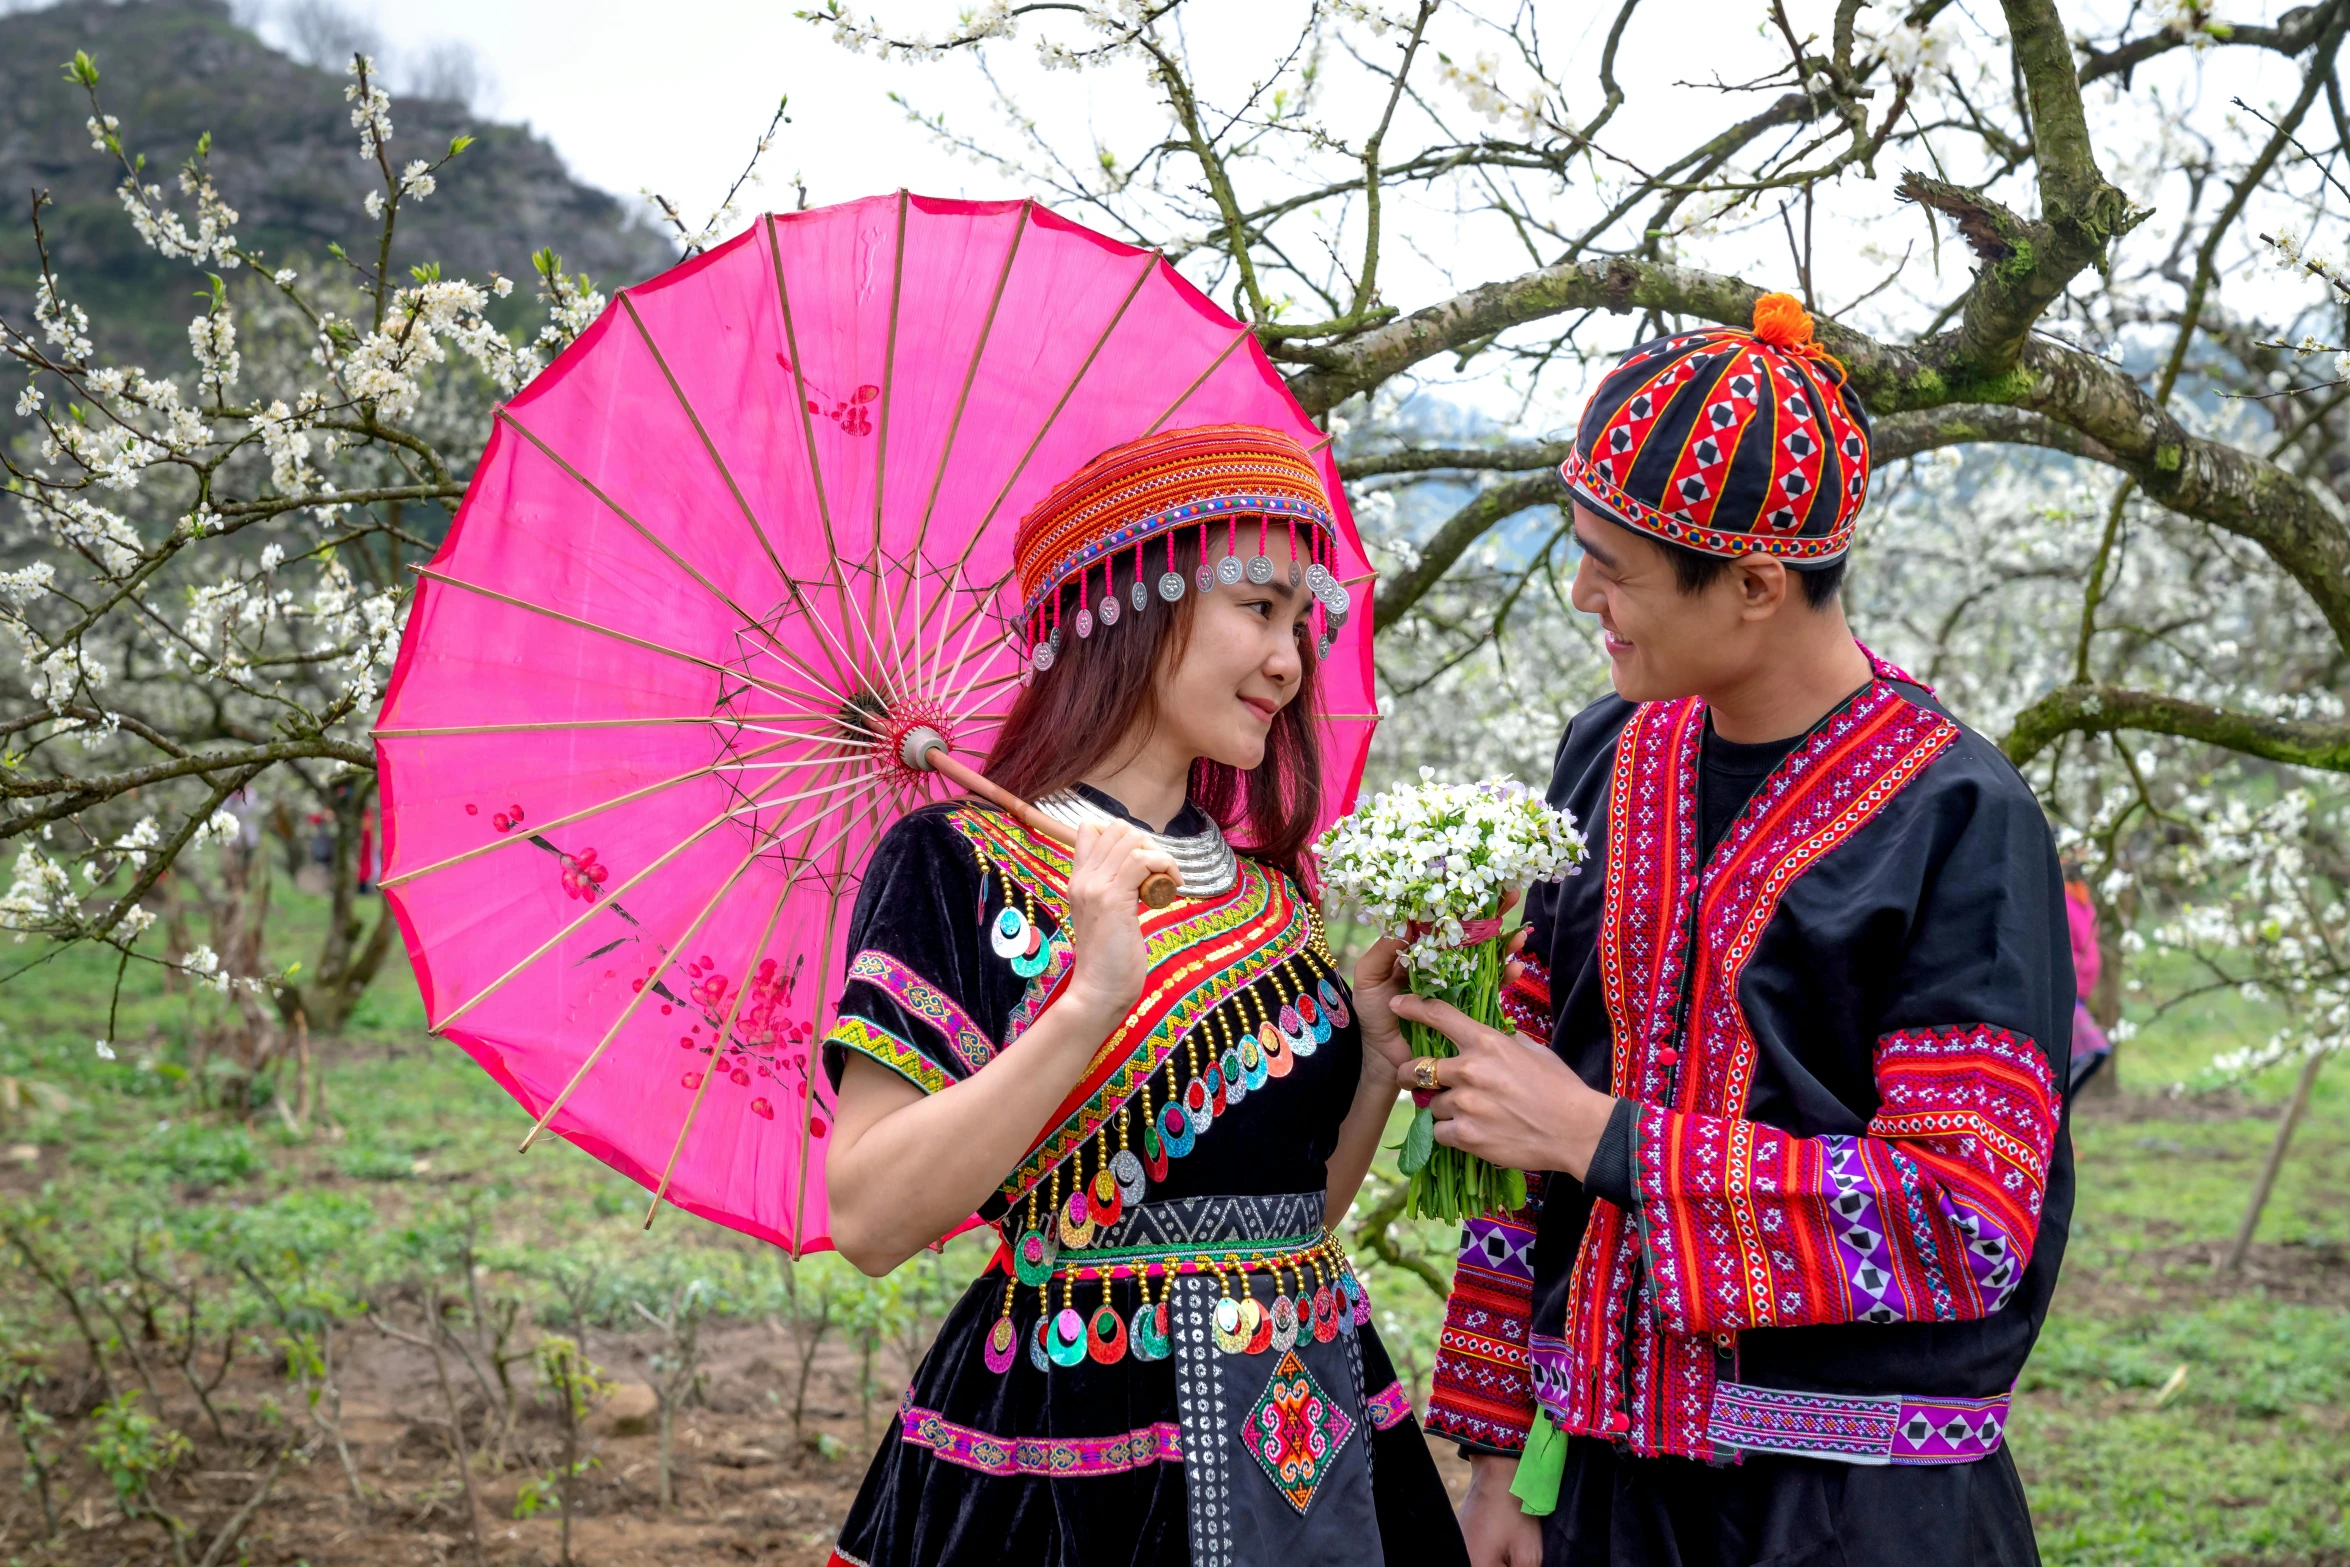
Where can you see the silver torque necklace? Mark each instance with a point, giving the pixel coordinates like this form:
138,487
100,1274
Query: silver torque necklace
1205,865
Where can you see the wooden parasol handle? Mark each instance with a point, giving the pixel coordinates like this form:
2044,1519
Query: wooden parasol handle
925,748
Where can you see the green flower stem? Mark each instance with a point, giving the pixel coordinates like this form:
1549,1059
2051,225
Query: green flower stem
1451,1184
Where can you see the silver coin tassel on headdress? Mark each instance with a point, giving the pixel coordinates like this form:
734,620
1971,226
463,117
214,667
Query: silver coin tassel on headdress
1227,571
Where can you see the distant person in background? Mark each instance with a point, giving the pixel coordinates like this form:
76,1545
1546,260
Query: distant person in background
2091,1048
367,853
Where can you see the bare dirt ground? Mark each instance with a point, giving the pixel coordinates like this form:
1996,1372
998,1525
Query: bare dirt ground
746,1491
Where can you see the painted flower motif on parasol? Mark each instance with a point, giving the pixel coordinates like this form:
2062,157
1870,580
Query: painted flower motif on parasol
721,570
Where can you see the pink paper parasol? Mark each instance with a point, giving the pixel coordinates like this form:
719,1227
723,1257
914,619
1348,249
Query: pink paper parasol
756,521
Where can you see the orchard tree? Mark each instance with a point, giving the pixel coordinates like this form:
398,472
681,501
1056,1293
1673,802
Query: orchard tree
2084,263
207,568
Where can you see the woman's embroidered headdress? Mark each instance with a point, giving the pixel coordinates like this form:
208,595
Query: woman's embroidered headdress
1729,442
1254,496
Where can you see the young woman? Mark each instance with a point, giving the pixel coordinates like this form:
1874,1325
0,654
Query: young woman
1163,1112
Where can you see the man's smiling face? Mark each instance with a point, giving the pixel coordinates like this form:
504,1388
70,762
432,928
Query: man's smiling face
1661,642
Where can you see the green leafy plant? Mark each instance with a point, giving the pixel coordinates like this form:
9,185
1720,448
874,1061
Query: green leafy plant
292,1252
577,1384
202,1155
35,1432
133,1450
685,1297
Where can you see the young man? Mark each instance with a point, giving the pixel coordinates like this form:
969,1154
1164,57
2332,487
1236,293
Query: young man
1807,1018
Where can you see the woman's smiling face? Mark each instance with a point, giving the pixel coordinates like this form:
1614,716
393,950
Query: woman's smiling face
1241,663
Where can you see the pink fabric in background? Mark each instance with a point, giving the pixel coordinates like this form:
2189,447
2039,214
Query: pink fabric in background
2081,920
781,477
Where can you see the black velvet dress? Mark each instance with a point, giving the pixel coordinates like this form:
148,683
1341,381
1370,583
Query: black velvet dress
1217,1105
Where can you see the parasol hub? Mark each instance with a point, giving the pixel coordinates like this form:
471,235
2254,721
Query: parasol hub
916,744
907,738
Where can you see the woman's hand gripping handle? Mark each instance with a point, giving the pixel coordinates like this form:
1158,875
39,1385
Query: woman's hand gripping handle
1107,873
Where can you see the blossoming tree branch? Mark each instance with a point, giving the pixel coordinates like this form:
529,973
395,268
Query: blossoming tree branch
2099,324
222,570
2096,315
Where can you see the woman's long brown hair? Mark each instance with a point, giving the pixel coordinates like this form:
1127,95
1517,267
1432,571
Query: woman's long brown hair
1105,688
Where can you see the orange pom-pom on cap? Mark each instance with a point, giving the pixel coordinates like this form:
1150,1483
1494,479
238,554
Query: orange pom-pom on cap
1781,321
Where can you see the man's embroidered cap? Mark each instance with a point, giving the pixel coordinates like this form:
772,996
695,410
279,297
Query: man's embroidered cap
1253,495
1729,442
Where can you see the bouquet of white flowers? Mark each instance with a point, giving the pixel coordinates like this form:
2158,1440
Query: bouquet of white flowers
1429,864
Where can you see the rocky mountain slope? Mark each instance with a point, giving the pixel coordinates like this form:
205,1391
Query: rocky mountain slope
283,153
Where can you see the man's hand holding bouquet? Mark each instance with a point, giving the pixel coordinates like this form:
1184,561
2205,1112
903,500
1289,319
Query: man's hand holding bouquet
1436,867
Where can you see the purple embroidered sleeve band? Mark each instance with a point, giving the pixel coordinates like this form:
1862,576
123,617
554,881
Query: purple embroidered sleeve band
1390,1407
921,999
1928,1217
1856,1429
1482,1393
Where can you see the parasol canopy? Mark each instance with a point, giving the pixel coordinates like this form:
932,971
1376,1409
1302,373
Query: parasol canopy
756,522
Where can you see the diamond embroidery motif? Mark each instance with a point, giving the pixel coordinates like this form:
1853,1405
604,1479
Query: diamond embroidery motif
1294,1431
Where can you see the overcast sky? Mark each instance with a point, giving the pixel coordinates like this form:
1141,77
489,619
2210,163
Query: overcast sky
672,96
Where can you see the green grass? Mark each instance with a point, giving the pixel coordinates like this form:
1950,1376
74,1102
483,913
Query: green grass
413,1124
2247,1459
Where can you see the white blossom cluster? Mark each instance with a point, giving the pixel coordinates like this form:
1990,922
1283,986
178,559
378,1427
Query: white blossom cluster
995,19
39,896
213,243
2264,923
386,368
1422,859
207,558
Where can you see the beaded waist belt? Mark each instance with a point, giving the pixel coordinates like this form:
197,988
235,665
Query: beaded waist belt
1244,1243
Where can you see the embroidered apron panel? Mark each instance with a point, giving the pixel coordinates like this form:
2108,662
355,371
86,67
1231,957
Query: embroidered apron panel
1292,1493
